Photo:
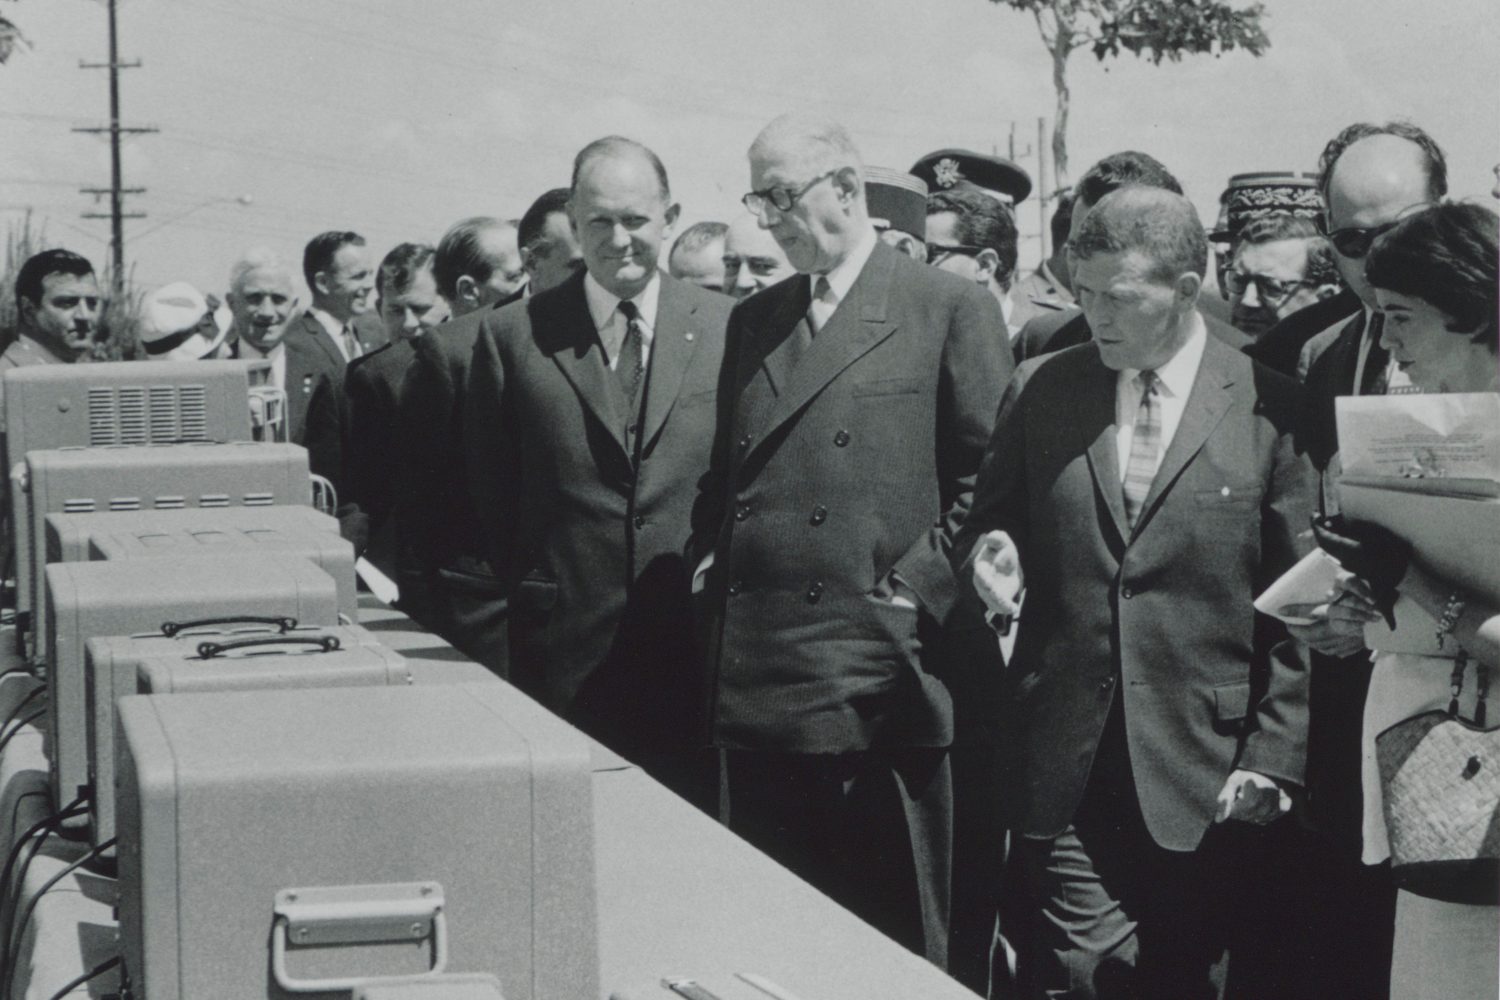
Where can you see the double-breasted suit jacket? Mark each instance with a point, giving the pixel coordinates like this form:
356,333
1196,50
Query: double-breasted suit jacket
1160,616
831,470
586,535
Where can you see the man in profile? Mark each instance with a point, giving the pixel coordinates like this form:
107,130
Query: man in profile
478,264
973,235
549,249
698,255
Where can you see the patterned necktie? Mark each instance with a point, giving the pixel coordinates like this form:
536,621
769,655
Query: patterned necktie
1145,447
352,347
631,365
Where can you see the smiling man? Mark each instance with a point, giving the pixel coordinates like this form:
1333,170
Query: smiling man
1147,485
854,406
587,417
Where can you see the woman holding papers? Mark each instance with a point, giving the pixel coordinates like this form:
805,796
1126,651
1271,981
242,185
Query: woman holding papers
1435,278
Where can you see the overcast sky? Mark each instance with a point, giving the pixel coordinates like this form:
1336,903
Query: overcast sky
398,118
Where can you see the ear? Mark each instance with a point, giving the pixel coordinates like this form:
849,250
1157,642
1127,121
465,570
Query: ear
846,180
320,283
989,266
1186,288
466,290
1326,291
27,309
673,211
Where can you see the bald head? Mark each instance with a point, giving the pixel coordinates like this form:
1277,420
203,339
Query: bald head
1372,183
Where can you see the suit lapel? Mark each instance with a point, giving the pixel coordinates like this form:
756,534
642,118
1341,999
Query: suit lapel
856,326
1206,404
1097,416
324,341
673,342
565,330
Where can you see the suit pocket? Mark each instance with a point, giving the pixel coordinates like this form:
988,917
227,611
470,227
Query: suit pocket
700,398
887,387
1229,499
535,594
1231,704
479,585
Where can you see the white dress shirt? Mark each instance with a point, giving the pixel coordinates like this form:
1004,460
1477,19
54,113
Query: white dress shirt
336,331
276,355
604,309
841,278
1174,383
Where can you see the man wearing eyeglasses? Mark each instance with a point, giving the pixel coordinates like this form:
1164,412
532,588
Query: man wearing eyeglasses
1371,176
973,235
1281,266
854,405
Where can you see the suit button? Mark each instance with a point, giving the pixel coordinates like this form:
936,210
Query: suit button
742,512
814,592
745,441
734,587
841,438
819,514
1106,684
640,522
1126,593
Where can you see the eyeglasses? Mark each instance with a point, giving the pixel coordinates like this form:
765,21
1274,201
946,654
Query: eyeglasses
937,251
780,198
1273,292
1355,241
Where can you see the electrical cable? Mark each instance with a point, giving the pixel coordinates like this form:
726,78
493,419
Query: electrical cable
41,826
18,930
28,720
20,706
78,981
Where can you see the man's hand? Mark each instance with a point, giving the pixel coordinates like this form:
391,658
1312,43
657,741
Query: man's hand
997,573
1252,798
1338,627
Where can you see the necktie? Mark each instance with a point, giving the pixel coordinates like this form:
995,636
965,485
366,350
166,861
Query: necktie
1145,446
823,303
1377,361
631,367
352,349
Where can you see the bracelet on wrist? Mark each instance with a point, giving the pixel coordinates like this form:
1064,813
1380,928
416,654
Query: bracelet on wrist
1452,611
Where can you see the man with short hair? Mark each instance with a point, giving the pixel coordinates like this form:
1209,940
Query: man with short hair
1281,264
443,570
973,235
752,258
411,307
341,322
478,263
1147,487
587,417
1055,331
698,255
57,310
852,410
1048,289
1371,175
549,249
263,301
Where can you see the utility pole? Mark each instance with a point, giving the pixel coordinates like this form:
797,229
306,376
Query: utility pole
116,190
1041,186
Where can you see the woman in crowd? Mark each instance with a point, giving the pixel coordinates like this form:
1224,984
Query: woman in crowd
1435,278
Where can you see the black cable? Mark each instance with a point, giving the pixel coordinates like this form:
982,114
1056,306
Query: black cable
43,826
20,705
28,720
78,981
18,929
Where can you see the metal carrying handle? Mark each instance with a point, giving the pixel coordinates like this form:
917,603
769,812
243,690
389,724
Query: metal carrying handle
283,622
357,914
209,650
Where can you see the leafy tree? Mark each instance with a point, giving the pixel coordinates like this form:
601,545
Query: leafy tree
1157,29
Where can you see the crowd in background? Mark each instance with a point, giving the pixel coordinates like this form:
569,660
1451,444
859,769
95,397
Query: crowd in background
931,578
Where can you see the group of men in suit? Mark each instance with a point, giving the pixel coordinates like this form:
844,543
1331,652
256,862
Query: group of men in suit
762,546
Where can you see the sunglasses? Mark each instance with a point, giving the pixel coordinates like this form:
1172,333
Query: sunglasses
1354,242
937,251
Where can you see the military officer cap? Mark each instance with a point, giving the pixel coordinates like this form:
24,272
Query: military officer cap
949,168
1254,196
896,201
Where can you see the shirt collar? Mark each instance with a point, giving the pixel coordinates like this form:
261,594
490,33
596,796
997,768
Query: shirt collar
1177,374
603,303
254,352
841,276
333,326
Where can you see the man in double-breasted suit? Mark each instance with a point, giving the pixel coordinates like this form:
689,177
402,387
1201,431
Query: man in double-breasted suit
1148,484
853,408
588,417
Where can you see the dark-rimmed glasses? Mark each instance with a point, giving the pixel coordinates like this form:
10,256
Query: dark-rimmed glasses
937,251
780,198
1273,291
1354,241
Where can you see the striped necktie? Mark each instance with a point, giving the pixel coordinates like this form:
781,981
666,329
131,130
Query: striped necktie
1145,446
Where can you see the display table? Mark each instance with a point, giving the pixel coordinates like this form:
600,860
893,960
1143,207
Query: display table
678,895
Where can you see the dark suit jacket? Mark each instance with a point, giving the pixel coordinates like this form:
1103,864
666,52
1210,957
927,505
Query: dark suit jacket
1069,328
829,474
1280,347
1160,617
588,541
1330,376
313,409
372,462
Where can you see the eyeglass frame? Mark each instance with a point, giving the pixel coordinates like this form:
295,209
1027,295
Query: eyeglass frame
1289,288
1369,234
939,250
756,201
